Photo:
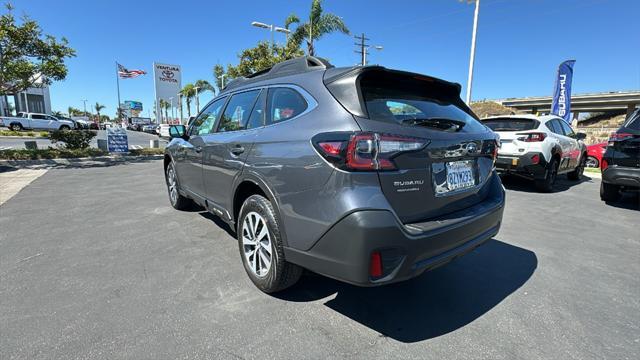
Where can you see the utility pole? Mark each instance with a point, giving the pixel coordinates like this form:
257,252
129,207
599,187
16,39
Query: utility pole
362,48
84,101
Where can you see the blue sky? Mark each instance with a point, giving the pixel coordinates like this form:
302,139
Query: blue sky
520,42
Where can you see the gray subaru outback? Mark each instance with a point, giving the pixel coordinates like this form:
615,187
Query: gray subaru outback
363,174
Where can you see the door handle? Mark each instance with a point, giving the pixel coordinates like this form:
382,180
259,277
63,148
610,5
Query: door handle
198,149
237,150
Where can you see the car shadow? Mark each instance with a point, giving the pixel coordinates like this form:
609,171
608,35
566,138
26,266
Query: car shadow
629,201
518,183
433,304
78,163
221,224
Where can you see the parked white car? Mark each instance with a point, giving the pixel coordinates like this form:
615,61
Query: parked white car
35,121
163,130
538,147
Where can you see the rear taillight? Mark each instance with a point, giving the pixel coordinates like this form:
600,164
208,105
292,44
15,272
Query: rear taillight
604,165
535,159
615,137
532,137
365,151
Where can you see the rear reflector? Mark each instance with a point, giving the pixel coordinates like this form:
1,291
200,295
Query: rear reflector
535,159
331,147
375,266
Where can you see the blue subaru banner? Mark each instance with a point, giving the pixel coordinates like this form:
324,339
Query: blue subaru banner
117,141
561,103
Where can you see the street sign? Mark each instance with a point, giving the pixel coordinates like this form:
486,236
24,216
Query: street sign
117,141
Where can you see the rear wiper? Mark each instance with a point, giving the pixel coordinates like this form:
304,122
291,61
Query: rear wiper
439,123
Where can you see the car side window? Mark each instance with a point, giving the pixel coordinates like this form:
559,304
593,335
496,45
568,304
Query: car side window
256,119
283,104
203,124
38,117
51,118
236,114
566,128
554,127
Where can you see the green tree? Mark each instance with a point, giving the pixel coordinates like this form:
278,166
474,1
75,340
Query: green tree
99,107
261,57
318,25
27,57
188,92
203,86
57,114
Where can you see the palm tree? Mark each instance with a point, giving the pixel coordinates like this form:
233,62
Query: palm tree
202,85
188,92
98,108
319,24
164,105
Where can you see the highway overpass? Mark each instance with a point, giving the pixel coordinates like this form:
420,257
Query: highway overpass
596,102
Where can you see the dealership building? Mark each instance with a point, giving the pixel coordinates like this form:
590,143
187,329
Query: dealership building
36,99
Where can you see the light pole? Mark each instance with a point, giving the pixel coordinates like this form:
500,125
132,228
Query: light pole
85,106
272,28
222,80
172,115
180,102
197,100
473,49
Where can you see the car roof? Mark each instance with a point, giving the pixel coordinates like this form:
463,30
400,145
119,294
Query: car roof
540,118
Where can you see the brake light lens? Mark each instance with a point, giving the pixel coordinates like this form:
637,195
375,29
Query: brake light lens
604,165
532,137
365,151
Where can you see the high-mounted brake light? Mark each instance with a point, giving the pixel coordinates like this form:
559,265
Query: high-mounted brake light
532,137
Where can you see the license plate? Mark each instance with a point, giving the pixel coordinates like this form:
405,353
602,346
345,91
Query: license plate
453,176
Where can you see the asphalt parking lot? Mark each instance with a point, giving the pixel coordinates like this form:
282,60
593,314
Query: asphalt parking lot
95,264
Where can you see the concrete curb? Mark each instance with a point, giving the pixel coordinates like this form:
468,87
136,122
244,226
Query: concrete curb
77,162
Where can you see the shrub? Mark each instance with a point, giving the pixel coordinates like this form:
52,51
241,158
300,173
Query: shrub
73,139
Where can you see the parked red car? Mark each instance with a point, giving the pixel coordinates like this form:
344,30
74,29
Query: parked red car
594,154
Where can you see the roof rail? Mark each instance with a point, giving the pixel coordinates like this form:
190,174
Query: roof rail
288,67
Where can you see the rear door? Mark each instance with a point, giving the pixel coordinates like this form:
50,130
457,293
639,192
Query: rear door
451,170
39,122
565,145
226,149
189,153
573,146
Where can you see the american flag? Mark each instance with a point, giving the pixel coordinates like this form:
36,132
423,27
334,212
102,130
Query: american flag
124,73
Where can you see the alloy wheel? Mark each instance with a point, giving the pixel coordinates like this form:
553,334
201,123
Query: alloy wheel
172,184
256,244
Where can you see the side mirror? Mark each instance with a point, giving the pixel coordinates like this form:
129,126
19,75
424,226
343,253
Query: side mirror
581,136
177,131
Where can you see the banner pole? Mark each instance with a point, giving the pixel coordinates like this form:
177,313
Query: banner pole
118,86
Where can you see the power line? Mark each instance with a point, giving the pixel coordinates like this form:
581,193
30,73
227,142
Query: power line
362,48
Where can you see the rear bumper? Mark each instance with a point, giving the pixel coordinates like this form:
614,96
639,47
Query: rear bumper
407,251
622,176
522,164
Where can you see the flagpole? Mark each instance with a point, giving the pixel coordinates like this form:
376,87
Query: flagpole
118,85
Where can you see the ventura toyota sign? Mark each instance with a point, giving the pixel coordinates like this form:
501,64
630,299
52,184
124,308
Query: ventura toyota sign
168,82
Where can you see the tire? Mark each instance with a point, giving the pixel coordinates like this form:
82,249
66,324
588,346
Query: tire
609,192
16,127
264,263
592,162
546,184
64,128
576,174
178,201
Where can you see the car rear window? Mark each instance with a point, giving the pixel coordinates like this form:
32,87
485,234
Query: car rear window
633,122
416,101
510,124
